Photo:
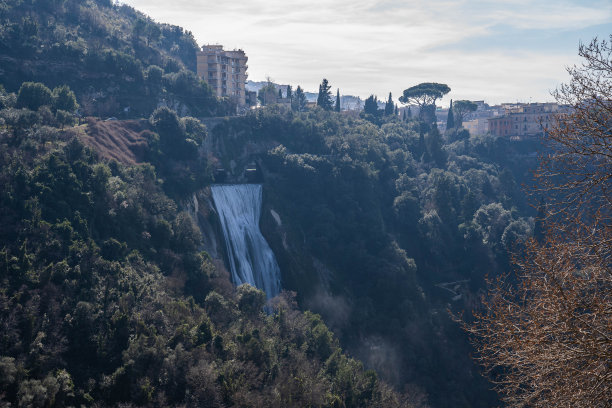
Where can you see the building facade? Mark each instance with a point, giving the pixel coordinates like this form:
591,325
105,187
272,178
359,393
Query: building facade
477,126
521,121
224,71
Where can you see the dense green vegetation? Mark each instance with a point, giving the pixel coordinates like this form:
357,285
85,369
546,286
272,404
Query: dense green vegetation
394,212
118,61
105,297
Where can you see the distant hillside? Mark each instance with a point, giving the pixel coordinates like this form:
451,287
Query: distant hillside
118,61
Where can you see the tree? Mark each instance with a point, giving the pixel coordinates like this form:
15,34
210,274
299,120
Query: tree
7,100
139,28
546,341
194,129
289,93
167,122
154,75
268,94
424,95
153,33
250,299
171,130
338,100
544,336
579,172
64,118
461,109
64,99
389,106
370,106
280,94
298,103
324,98
33,95
450,120
433,144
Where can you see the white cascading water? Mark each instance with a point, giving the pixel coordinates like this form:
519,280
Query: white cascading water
251,258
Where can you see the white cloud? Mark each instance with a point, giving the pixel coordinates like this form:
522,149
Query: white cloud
366,47
543,14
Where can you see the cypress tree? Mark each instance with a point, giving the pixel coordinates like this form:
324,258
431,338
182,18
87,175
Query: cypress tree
289,92
324,99
338,100
371,106
409,113
450,120
280,93
298,103
389,108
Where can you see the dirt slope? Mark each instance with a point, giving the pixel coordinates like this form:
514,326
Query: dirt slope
121,140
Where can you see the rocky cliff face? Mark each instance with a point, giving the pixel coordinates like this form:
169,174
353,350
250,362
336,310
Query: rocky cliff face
238,154
233,152
202,210
299,270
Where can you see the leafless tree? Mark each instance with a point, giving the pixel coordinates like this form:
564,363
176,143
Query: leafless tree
547,342
545,336
577,174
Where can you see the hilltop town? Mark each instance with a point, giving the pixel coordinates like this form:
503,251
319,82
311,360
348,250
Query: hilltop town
225,72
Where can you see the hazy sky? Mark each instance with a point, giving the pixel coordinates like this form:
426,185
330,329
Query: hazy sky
496,50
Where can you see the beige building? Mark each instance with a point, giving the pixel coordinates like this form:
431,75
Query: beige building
224,71
478,126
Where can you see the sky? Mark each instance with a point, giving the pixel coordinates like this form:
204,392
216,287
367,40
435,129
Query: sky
492,50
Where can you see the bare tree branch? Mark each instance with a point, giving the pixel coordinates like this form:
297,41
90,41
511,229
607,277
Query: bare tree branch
545,336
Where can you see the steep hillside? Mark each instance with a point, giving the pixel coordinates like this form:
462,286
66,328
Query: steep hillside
123,141
107,296
107,300
117,60
384,229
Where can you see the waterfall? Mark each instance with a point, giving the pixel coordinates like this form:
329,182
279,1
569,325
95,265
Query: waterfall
250,257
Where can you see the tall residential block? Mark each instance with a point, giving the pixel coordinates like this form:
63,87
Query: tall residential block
224,71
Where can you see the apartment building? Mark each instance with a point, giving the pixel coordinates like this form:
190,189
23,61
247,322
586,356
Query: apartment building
478,126
224,71
524,120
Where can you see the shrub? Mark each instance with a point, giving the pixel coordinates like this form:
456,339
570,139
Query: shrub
33,95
